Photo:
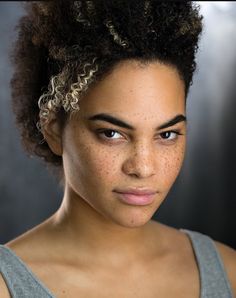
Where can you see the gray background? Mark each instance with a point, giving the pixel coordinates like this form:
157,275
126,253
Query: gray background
203,197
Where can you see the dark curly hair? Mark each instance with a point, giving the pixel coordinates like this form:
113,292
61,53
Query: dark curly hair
64,46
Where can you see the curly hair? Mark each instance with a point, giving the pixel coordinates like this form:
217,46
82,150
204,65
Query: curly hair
65,46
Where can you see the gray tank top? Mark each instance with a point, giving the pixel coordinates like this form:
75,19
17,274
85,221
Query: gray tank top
22,283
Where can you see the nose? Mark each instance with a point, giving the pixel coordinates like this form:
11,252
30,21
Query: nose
141,162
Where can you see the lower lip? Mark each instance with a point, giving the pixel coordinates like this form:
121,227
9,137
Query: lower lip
137,200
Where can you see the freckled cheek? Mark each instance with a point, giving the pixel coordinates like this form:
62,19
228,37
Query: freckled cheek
171,164
99,163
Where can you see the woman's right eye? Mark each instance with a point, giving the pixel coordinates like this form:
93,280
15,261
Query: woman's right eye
108,133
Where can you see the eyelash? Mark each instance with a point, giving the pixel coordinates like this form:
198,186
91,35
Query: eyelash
102,131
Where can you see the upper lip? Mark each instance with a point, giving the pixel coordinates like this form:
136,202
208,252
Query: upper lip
137,191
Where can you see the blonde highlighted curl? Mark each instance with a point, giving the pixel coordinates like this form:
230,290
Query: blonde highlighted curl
56,98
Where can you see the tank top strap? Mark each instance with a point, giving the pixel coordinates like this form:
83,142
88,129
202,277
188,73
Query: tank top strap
20,281
213,277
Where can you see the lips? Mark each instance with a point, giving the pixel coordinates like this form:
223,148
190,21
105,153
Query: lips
137,197
137,191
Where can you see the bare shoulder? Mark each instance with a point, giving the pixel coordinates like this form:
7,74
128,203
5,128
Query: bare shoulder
3,288
29,243
228,256
168,235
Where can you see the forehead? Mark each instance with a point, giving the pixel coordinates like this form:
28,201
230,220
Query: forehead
137,90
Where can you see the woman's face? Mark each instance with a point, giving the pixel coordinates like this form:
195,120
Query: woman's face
129,134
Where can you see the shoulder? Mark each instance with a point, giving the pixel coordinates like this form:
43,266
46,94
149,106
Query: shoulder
228,256
3,288
6,269
29,243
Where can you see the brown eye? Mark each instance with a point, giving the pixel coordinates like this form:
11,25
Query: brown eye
109,134
166,135
169,135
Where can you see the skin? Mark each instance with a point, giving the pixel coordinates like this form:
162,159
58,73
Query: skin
110,242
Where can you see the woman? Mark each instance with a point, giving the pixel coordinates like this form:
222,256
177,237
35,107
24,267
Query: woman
112,122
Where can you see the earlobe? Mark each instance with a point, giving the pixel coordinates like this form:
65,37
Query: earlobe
53,135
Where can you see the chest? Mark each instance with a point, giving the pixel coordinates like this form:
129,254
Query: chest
144,282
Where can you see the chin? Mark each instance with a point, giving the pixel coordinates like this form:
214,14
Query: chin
134,219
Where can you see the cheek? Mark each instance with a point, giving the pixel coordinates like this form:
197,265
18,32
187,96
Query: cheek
172,161
101,163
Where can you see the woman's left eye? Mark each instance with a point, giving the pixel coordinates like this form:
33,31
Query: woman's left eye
169,135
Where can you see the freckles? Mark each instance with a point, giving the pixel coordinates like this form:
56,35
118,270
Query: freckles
167,166
172,163
105,163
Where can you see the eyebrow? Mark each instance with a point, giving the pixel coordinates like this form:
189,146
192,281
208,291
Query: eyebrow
121,123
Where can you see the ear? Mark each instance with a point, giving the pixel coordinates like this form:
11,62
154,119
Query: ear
52,133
